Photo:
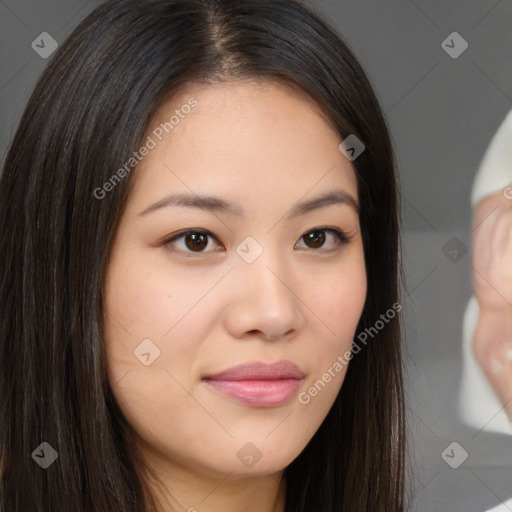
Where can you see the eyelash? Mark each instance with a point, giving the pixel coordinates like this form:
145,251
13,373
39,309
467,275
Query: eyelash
341,236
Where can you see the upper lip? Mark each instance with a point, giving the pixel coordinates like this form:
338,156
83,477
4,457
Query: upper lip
259,371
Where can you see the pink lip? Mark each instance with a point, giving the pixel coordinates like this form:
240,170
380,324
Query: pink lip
258,384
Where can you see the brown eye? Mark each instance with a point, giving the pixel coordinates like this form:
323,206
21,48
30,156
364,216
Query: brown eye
192,241
196,241
315,238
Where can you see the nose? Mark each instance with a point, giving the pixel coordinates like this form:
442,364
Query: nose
264,302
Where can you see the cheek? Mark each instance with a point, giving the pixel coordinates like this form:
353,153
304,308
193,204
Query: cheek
152,309
138,297
338,299
149,298
337,305
149,311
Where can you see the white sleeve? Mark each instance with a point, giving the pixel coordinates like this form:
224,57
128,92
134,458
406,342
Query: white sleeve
495,171
504,507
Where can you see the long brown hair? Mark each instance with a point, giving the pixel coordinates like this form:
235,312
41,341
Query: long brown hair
85,118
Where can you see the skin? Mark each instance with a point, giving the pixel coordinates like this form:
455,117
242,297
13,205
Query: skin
266,146
492,282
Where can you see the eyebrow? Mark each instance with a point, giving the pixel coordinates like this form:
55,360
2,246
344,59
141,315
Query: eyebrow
217,204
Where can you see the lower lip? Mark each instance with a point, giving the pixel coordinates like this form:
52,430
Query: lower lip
258,393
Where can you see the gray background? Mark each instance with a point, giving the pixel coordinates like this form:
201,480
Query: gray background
442,113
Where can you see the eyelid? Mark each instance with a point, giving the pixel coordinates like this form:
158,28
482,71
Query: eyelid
342,237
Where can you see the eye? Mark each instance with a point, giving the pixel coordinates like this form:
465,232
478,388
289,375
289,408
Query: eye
195,240
316,237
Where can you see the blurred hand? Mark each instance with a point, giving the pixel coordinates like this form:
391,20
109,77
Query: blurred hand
492,283
492,346
492,251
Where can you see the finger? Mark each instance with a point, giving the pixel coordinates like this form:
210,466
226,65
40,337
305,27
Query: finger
507,261
482,241
499,371
501,240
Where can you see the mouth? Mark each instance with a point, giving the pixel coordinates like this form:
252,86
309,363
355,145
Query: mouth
258,384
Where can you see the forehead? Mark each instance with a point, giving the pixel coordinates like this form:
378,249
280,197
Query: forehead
243,137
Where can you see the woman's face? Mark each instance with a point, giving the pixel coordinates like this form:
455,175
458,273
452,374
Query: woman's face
255,289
